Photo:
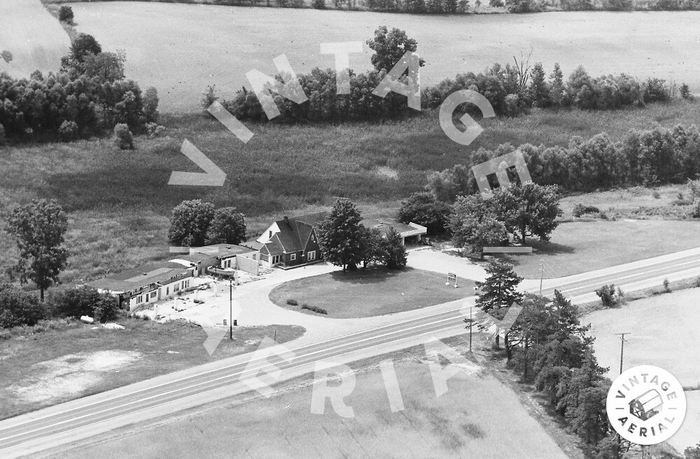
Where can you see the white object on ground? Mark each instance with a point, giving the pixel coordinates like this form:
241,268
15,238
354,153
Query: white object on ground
113,326
87,319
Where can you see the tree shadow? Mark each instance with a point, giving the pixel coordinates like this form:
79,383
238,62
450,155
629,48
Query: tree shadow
369,275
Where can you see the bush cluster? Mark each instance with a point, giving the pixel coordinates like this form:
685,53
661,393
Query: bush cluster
86,97
580,209
323,104
85,301
315,309
18,307
610,296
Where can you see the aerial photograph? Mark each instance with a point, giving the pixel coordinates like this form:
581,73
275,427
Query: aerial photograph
350,229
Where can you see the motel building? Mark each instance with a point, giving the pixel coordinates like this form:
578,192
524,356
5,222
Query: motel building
147,284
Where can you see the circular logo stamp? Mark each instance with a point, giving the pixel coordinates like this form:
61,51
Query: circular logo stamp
646,405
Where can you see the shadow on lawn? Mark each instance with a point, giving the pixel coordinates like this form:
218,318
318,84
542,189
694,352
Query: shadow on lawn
371,275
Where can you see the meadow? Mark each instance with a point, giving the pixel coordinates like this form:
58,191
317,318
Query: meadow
219,44
119,201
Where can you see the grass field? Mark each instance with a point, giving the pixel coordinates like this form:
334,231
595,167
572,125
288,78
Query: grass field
586,246
35,39
119,202
664,333
61,364
219,44
467,421
369,293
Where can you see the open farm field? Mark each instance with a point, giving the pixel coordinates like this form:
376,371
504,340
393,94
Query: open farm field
219,44
34,38
663,332
467,421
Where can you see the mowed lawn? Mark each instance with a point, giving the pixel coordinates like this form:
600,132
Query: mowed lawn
370,292
663,332
467,421
577,247
57,365
181,48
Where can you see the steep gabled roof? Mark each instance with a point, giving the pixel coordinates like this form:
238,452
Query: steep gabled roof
274,247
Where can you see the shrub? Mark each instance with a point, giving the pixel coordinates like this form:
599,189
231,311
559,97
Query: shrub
609,296
522,6
105,309
3,139
292,302
580,209
685,92
655,90
65,14
667,289
617,5
84,301
150,105
696,211
315,309
319,4
68,131
123,137
154,129
576,5
18,307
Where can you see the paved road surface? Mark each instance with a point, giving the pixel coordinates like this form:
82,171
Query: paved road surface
89,416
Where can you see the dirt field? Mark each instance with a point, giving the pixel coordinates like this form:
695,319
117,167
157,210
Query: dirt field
219,44
62,364
35,38
369,293
467,421
664,332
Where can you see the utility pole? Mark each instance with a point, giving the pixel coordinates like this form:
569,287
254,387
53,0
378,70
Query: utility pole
470,321
541,274
230,308
622,347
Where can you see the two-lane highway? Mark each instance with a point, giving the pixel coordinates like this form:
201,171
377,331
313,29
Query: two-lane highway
168,394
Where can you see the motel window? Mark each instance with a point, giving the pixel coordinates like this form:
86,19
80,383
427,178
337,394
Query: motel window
275,259
167,290
293,257
311,255
153,294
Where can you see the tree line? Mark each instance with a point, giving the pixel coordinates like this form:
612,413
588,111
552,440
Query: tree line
511,89
87,96
641,157
549,347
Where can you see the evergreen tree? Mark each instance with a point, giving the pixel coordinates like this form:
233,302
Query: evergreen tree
556,87
341,235
395,250
499,289
539,89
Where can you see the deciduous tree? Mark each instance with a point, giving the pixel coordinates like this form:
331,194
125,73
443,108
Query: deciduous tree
190,221
422,208
227,226
341,235
390,46
39,228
